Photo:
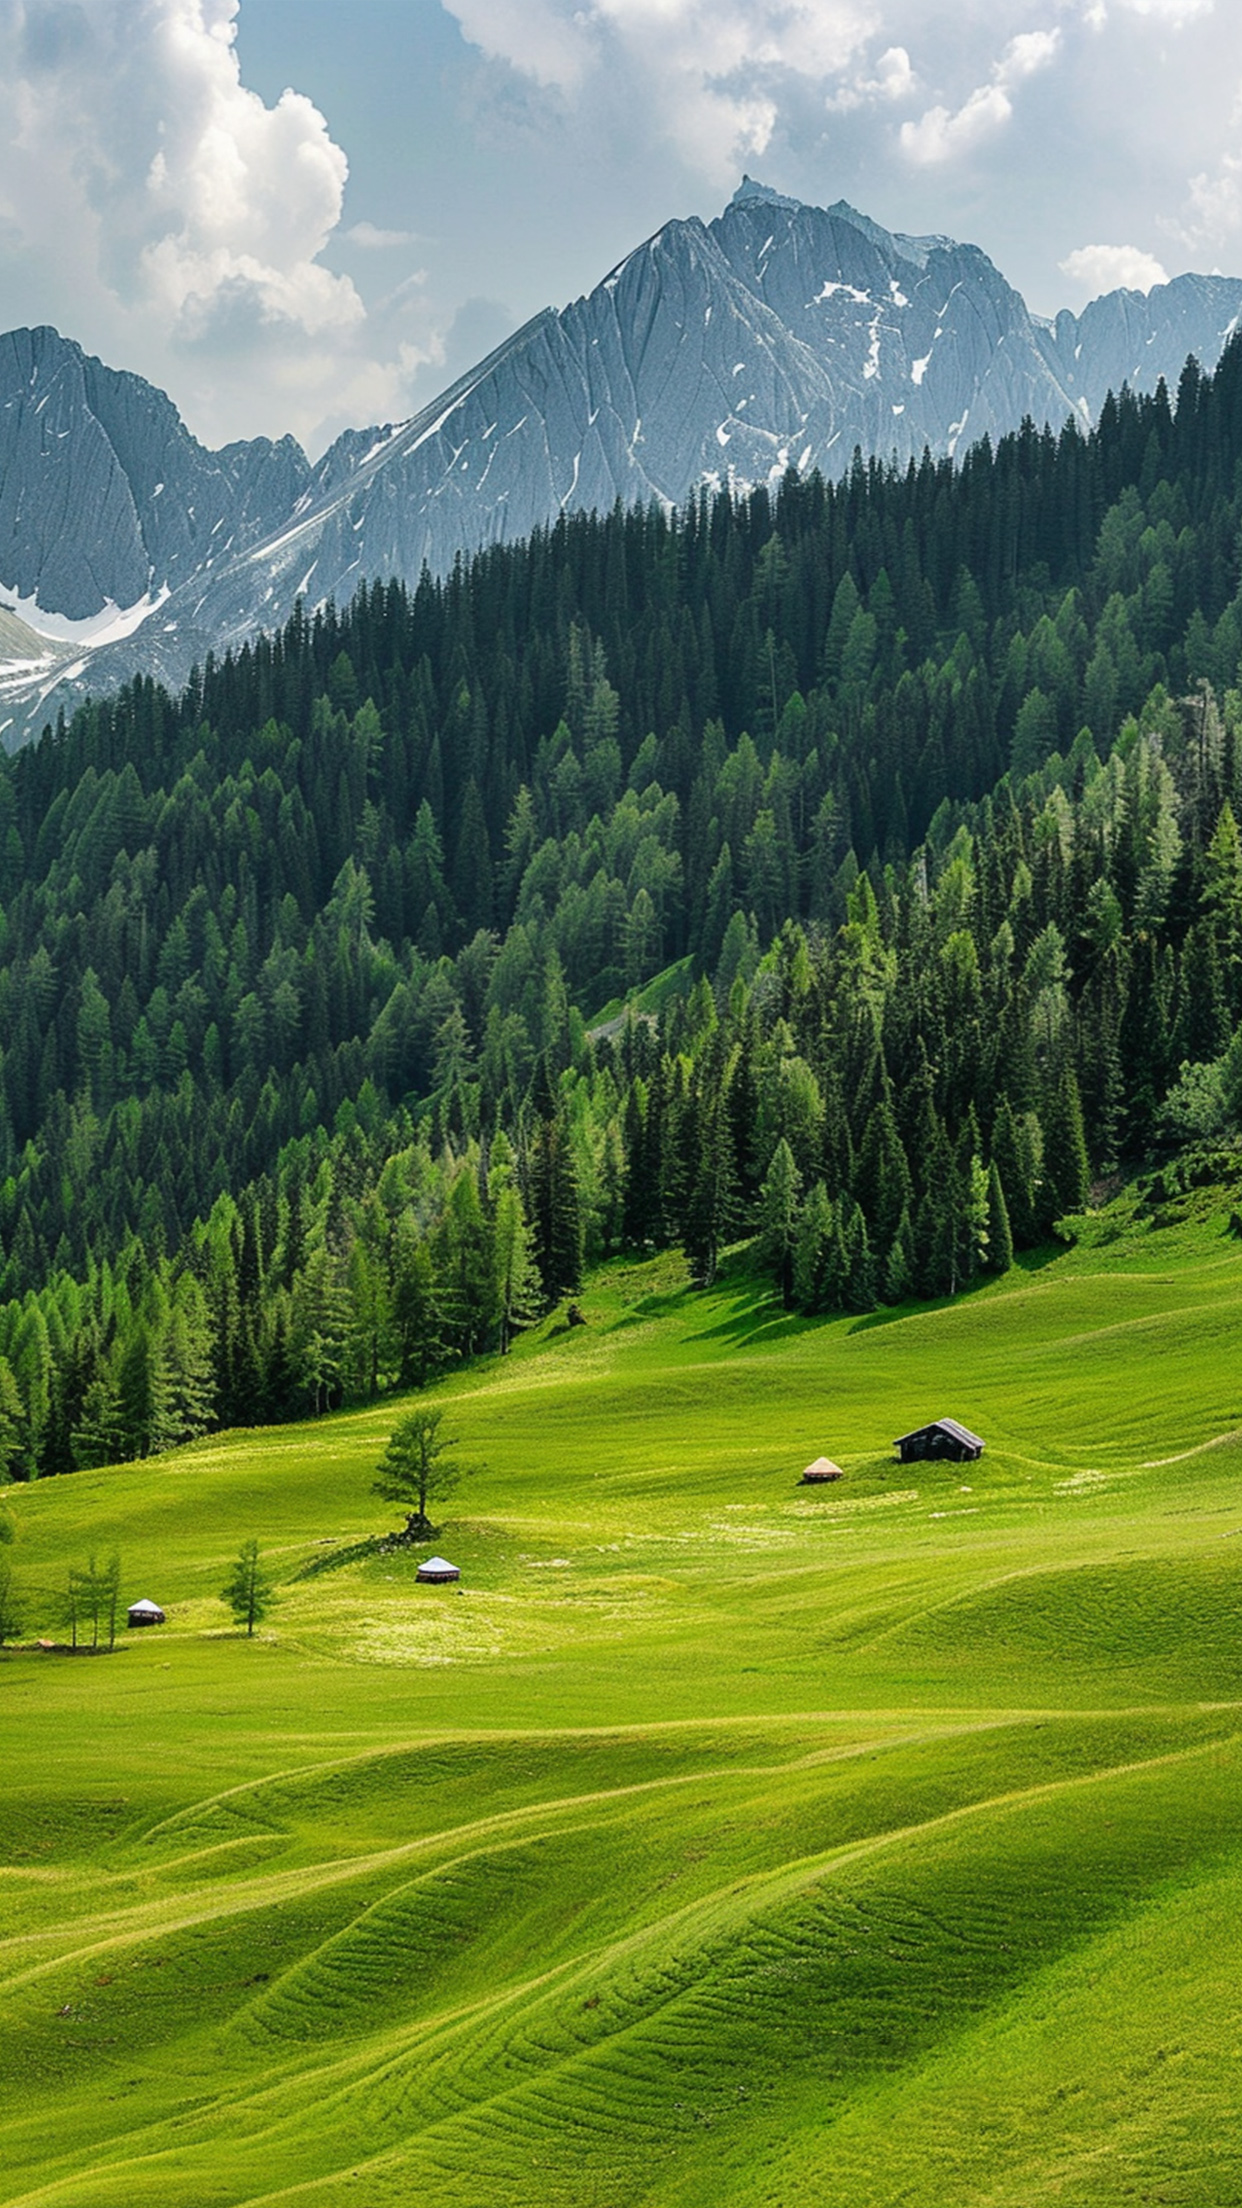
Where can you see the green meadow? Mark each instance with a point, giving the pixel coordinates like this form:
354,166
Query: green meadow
718,1840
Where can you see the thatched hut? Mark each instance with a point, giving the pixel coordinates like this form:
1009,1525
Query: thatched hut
819,1473
144,1613
437,1572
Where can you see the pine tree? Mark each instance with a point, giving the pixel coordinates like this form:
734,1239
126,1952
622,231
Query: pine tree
98,1437
710,1212
416,1309
141,1393
1066,1172
465,1262
779,1218
517,1275
1011,1159
556,1214
899,1268
417,1468
249,1590
189,1387
14,1436
1000,1237
811,1251
12,1606
861,1292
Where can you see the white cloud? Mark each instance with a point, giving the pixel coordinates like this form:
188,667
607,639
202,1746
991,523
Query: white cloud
709,75
894,79
182,218
194,186
942,134
1214,211
543,42
1100,268
373,240
1175,12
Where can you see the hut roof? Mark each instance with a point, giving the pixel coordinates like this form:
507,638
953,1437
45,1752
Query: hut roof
822,1469
146,1609
945,1426
438,1567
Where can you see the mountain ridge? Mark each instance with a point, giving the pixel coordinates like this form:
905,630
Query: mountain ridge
715,353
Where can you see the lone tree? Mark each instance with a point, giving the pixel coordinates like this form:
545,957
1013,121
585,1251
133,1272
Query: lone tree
248,1589
416,1469
11,1614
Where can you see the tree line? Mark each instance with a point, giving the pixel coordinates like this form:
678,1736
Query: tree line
315,1076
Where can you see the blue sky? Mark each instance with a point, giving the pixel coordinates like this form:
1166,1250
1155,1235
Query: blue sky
297,215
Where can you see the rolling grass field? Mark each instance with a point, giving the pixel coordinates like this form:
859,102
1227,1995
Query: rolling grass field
718,1841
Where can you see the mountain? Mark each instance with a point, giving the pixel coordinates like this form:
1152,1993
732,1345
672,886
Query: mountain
777,335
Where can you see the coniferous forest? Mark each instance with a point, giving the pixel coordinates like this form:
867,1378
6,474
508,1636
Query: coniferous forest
918,792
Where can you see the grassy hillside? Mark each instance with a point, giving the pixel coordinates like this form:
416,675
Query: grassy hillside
718,1840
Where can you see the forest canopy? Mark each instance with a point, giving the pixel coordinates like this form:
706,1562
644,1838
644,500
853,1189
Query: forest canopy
316,1073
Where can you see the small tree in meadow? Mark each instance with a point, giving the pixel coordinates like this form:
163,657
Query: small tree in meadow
416,1469
11,1615
248,1589
91,1598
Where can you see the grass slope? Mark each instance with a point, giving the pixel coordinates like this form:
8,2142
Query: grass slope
717,1841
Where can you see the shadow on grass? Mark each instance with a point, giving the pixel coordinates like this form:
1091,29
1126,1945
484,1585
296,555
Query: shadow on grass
764,1320
1038,1261
917,1306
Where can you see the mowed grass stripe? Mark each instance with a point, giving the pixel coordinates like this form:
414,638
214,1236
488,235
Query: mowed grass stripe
700,1846
693,1967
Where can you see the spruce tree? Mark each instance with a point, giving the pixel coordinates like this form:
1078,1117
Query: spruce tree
778,1218
811,1251
1000,1237
710,1212
1010,1158
249,1590
1067,1176
899,1268
556,1213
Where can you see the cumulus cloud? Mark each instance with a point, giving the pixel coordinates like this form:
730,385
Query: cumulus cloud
1100,268
178,209
1213,214
709,74
894,79
943,134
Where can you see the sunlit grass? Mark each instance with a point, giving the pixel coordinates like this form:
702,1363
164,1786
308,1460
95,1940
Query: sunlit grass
716,1840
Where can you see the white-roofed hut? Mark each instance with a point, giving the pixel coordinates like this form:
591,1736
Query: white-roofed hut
144,1613
437,1572
819,1473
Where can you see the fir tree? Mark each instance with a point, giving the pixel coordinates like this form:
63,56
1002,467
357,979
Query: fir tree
779,1218
811,1251
1000,1237
249,1590
1066,1171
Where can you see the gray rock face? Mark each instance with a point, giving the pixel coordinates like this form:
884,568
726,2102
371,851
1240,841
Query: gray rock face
105,497
777,335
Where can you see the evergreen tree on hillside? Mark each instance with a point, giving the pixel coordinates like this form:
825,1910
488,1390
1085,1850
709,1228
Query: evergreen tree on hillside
779,1217
1066,1171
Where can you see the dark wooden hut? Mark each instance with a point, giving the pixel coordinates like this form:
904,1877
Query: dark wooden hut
945,1438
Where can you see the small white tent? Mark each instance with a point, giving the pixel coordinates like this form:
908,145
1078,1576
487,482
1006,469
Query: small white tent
436,1572
144,1613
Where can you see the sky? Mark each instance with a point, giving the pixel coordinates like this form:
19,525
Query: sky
302,215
